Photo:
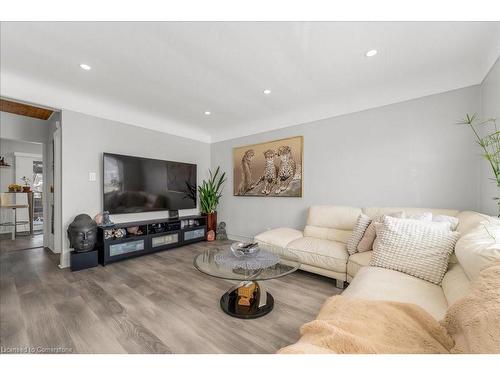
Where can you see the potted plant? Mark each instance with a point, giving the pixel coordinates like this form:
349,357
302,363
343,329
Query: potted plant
210,193
14,188
27,184
490,143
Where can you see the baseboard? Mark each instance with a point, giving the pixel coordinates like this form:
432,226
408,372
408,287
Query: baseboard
236,237
64,262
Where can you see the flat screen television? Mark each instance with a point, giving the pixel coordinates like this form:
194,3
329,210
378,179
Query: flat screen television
133,184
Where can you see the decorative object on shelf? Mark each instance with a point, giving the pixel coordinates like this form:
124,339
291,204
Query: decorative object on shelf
106,221
210,235
490,144
210,193
221,231
109,233
27,184
158,227
3,163
15,188
263,259
120,232
240,249
246,294
98,219
82,233
135,231
269,169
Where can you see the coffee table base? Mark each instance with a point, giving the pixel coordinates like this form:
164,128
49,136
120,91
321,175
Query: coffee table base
260,305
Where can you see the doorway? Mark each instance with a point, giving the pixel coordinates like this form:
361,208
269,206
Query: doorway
21,201
27,173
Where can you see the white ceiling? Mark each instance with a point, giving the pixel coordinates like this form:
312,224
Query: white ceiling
165,75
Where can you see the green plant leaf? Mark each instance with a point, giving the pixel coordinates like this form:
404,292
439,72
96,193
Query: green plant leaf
210,191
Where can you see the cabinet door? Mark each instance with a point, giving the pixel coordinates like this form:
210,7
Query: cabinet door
194,234
122,249
164,240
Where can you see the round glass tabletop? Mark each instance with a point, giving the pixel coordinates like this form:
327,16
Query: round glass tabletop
220,262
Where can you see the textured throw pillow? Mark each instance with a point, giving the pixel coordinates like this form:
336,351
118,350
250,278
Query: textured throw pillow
414,247
366,243
357,233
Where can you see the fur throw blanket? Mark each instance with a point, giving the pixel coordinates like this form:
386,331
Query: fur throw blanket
474,321
350,325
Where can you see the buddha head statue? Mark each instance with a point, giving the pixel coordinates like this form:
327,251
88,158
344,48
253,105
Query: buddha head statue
82,233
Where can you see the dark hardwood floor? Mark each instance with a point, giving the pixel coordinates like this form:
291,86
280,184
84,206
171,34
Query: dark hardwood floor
22,242
153,304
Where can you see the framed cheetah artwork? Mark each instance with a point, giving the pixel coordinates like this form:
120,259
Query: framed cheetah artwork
270,169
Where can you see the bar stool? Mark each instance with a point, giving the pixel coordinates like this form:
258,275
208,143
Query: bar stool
6,203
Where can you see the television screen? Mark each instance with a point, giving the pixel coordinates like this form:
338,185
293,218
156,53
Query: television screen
133,184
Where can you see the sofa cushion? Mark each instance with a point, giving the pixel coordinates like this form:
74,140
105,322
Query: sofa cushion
331,255
376,283
279,237
338,217
479,247
468,220
358,260
455,283
331,234
333,223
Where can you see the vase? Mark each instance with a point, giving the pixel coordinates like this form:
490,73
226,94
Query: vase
26,189
211,221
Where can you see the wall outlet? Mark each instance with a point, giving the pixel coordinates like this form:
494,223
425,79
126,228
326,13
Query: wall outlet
92,176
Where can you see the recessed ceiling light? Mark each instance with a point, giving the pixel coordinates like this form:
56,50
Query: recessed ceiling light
85,67
267,91
208,113
371,53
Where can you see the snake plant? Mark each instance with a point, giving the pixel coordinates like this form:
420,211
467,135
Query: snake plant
210,191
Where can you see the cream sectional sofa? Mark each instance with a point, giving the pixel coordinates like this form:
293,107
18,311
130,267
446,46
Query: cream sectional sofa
322,249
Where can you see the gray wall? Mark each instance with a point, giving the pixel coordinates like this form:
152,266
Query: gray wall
406,154
490,108
85,138
23,128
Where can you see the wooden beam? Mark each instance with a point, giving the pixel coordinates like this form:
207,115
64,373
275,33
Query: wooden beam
25,110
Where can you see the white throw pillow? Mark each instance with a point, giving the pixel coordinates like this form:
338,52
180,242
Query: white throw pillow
423,216
479,247
453,221
417,248
357,233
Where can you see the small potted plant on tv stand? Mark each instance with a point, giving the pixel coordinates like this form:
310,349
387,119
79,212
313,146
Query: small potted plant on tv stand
210,193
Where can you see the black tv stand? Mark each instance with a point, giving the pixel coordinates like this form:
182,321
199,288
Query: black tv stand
131,239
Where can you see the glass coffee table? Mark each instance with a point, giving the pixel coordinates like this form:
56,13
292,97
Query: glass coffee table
248,299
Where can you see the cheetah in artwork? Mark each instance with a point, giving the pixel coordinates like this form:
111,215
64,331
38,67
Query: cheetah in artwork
286,170
270,172
246,173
